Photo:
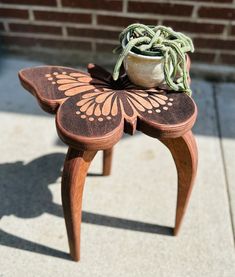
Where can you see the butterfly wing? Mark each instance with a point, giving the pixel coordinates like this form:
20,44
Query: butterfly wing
91,120
49,84
163,112
87,113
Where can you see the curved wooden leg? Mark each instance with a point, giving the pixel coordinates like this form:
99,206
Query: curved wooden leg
73,179
184,152
107,161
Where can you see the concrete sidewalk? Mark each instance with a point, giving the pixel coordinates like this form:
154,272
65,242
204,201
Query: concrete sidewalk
118,238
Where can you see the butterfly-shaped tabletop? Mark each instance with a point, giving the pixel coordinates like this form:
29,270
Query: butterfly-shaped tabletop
92,110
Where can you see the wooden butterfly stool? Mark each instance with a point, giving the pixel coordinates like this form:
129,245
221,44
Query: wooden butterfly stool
92,112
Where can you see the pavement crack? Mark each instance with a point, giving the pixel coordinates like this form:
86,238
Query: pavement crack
217,116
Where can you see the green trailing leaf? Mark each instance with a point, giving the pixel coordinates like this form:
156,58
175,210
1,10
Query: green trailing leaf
131,43
158,41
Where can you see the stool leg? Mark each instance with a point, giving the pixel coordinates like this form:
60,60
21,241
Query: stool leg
75,171
184,152
107,161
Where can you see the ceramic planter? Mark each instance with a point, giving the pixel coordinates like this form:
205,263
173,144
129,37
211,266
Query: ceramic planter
147,71
144,71
154,56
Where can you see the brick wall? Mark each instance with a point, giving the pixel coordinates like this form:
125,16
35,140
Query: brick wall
93,25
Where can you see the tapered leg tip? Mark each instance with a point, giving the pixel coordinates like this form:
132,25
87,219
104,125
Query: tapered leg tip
175,231
106,173
75,258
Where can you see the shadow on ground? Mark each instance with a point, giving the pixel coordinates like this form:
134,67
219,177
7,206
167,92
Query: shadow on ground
25,193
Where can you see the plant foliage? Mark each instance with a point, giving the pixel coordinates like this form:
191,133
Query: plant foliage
158,41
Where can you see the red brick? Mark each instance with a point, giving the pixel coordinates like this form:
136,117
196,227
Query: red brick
30,28
211,1
214,43
1,27
31,2
48,43
217,13
202,57
227,59
123,21
193,27
105,47
111,5
160,8
94,33
65,44
62,16
233,30
14,13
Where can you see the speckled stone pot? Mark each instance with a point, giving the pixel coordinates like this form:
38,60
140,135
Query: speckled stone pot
144,71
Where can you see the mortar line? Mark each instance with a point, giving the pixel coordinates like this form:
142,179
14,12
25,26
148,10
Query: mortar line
217,115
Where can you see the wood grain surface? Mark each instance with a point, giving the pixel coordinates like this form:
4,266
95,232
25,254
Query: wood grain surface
185,155
73,179
92,110
107,161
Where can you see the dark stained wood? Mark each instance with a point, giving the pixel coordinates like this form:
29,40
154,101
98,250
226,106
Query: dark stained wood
92,112
73,179
107,161
184,152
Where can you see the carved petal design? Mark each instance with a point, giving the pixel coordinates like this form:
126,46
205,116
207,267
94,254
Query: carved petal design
95,110
75,125
51,85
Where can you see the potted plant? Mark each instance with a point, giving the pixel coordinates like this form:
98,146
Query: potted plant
153,55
